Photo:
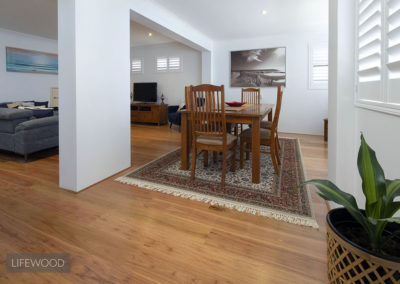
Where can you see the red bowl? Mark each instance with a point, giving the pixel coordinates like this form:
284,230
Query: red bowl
235,104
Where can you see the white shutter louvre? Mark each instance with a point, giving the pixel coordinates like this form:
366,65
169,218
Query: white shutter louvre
162,64
369,39
174,63
137,66
320,63
393,51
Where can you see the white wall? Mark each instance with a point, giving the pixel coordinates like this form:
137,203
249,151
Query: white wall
94,79
380,130
17,86
171,84
303,110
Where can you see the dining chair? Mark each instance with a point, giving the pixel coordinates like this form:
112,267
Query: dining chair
249,96
268,124
209,126
267,138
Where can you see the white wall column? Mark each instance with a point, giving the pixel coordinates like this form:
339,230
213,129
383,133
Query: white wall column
94,91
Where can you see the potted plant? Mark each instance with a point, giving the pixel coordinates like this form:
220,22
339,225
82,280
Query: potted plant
363,245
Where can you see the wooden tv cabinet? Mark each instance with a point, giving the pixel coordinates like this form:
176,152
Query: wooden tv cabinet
149,113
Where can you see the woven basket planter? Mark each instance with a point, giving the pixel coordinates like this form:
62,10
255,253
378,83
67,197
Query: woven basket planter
350,263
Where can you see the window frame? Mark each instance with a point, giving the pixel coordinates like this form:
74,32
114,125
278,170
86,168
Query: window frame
383,104
316,85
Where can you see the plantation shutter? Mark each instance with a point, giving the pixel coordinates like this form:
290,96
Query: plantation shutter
174,63
319,67
369,49
162,64
137,65
393,51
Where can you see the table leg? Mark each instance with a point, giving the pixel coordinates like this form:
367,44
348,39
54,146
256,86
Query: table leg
184,142
255,151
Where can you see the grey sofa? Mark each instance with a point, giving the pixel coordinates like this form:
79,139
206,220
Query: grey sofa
22,133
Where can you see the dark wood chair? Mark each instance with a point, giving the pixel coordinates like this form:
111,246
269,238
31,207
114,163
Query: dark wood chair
209,126
268,124
250,96
268,137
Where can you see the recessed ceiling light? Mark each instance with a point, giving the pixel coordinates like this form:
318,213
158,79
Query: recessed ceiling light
150,34
264,12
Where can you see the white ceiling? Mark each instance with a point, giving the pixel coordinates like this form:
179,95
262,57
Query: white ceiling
140,36
217,19
35,17
233,19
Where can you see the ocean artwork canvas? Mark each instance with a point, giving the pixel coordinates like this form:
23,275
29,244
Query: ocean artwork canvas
258,67
29,61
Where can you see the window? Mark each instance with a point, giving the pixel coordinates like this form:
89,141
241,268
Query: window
174,64
378,55
137,66
164,64
318,66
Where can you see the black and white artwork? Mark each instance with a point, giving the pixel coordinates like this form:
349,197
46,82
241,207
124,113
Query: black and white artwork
258,67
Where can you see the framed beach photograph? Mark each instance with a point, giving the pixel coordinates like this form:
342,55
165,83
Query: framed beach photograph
30,61
258,67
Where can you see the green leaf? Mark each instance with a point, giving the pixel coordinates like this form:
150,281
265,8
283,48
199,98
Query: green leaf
329,191
392,189
373,179
391,208
392,220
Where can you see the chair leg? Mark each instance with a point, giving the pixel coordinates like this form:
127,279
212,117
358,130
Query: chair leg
241,153
273,156
277,139
233,158
170,125
278,158
248,146
205,158
215,156
223,168
192,175
26,157
277,152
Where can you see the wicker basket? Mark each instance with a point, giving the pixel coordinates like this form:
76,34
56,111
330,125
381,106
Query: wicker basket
348,264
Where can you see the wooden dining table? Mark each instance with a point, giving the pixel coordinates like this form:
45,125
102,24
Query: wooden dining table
251,114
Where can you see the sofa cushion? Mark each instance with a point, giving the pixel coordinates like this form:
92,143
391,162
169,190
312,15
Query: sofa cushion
10,114
37,123
14,105
39,113
45,104
216,141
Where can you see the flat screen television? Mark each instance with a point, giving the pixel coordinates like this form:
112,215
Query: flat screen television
145,92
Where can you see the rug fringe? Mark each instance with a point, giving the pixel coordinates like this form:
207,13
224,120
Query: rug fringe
255,210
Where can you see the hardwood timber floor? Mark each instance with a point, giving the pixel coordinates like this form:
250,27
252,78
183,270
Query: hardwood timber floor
116,233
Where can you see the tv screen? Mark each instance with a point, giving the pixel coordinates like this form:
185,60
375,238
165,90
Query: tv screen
145,92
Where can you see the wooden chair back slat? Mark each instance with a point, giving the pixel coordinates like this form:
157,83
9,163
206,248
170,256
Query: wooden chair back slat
251,96
207,110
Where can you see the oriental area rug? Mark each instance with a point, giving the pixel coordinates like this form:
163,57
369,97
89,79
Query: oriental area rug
275,196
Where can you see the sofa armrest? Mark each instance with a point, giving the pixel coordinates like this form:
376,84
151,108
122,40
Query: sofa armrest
37,123
172,109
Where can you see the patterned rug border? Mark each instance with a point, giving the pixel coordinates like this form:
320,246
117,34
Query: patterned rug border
230,204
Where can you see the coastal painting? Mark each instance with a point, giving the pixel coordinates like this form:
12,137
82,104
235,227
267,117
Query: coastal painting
29,61
258,67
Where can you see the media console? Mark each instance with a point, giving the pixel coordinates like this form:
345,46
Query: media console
149,113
